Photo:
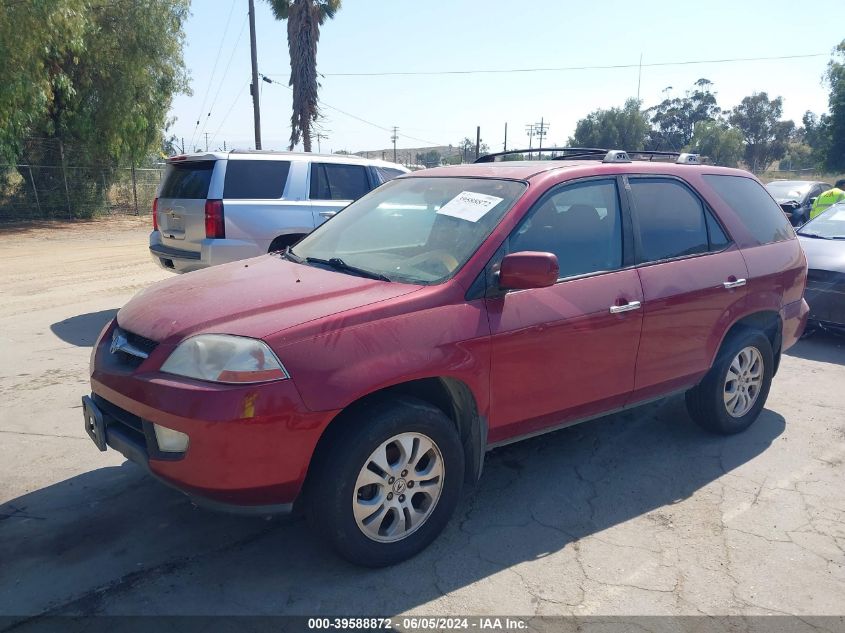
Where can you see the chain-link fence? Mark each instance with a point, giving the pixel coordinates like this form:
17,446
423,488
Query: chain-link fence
54,187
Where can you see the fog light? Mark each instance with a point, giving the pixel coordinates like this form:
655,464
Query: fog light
170,441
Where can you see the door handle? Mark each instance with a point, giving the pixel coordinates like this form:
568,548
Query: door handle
631,305
734,284
328,214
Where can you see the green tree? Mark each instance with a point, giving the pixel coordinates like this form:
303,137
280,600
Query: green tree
718,141
616,128
674,120
765,134
304,18
431,158
798,156
32,36
95,89
835,124
815,134
467,149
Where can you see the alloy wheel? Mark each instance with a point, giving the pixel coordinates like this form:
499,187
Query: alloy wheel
398,487
743,381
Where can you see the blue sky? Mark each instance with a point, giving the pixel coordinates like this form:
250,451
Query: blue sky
399,35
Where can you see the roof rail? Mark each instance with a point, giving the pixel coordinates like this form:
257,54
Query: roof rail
606,155
567,152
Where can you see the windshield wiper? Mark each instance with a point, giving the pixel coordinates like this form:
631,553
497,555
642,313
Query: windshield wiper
817,236
338,264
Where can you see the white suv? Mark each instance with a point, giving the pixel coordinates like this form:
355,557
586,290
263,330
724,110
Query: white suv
220,207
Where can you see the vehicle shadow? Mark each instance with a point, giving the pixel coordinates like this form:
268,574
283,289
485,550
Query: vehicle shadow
820,346
113,541
82,330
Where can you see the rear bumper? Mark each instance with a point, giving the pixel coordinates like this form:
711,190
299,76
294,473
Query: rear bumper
212,252
794,318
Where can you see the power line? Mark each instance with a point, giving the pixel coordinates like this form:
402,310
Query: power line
354,116
214,69
225,74
567,68
238,96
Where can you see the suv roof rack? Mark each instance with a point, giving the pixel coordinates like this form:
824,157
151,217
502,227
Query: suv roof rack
606,155
566,153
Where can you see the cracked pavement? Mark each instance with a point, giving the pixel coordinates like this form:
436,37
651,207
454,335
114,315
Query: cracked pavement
639,513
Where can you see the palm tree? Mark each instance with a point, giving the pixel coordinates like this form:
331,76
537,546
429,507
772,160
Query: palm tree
305,17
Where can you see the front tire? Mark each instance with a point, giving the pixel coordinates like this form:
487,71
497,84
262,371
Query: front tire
388,482
733,393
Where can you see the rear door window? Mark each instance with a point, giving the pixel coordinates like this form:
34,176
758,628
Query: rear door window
188,180
255,179
669,220
334,181
762,217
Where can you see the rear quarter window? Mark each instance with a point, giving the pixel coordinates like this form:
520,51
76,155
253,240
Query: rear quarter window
188,180
761,216
255,179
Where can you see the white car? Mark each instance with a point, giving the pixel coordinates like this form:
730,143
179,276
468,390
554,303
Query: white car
219,207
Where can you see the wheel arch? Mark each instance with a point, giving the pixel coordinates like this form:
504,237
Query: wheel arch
768,322
286,239
452,396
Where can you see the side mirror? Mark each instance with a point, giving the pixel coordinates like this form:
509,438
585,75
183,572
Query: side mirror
529,269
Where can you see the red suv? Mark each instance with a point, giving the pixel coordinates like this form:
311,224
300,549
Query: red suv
362,374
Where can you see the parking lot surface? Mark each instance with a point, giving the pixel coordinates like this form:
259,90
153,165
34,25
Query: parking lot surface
636,513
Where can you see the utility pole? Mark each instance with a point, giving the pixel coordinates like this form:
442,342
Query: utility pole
319,136
393,138
183,145
477,140
253,87
639,77
540,129
506,137
206,141
529,130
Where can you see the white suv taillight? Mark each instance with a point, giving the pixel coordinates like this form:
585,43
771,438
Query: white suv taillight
215,227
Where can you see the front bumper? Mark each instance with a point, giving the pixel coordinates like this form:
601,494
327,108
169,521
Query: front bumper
212,252
249,445
825,293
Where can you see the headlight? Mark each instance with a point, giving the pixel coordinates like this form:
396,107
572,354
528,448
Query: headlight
224,358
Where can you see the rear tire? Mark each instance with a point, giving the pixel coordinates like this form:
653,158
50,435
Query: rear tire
388,482
732,394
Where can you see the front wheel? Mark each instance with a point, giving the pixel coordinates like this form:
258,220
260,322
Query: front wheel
732,394
388,482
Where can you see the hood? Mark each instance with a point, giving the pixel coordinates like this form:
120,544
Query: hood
254,297
824,254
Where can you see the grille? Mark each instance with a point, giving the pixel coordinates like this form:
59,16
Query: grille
135,340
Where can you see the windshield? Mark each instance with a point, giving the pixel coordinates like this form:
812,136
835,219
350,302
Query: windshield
789,190
416,230
830,224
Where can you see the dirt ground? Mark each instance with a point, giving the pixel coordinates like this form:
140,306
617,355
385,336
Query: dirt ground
637,513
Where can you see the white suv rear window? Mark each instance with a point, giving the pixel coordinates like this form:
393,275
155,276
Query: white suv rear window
188,180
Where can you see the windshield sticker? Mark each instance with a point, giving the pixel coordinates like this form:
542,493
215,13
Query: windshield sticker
469,206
